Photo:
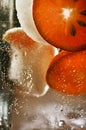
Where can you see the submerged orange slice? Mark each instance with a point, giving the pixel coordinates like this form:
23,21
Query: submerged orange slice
67,73
61,22
29,62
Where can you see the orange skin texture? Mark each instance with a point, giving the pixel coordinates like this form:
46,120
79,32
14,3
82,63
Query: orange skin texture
67,73
47,15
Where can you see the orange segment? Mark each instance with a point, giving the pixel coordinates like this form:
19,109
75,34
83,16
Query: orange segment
61,23
67,73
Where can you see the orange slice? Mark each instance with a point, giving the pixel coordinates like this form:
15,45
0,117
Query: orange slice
67,73
29,62
62,23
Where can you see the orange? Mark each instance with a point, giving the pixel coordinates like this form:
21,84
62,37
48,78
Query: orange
67,73
61,23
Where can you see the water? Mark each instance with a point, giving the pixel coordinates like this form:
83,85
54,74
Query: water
53,111
6,21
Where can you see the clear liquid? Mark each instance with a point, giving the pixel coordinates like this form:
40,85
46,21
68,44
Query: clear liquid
53,111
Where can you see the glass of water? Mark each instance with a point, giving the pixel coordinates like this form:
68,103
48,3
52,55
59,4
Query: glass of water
21,111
